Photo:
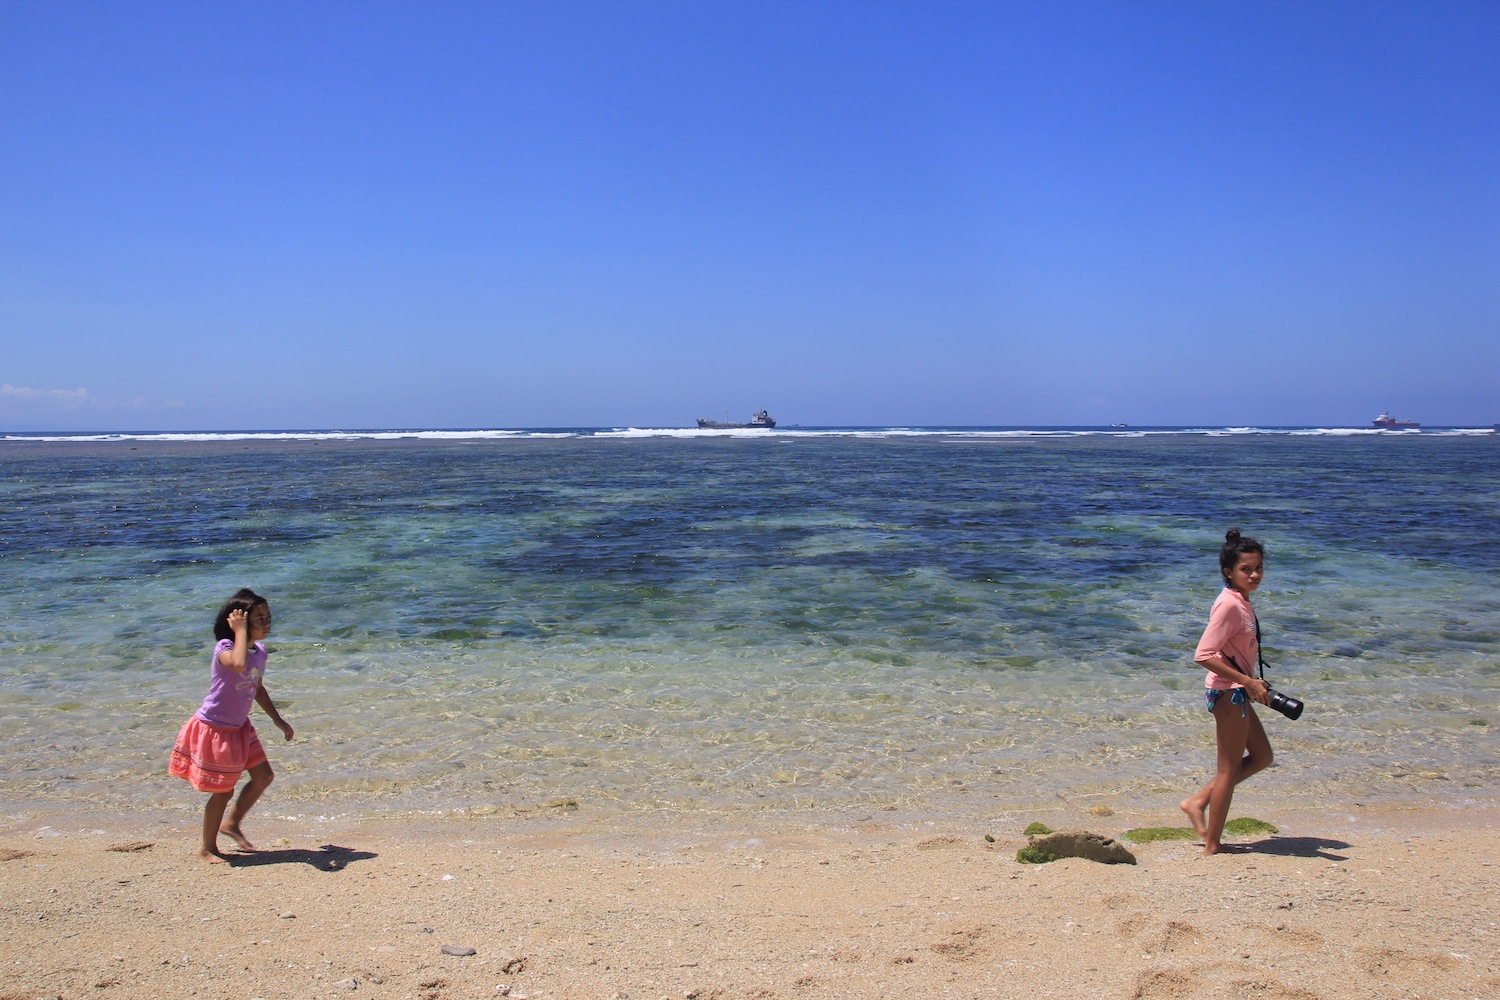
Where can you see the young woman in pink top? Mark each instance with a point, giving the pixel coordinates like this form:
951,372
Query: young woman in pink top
219,743
1230,651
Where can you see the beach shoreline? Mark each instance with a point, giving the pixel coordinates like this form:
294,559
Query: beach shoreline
708,723
585,903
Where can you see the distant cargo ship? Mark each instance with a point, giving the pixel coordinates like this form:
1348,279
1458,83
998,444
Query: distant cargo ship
760,419
1386,420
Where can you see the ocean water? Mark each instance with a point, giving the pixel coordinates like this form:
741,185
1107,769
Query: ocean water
842,620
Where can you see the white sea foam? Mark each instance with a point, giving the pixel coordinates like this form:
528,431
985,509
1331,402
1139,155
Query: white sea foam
289,436
635,433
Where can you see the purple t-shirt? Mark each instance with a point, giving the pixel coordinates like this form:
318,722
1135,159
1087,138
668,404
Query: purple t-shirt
231,694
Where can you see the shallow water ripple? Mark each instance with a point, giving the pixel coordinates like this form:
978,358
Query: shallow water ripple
732,623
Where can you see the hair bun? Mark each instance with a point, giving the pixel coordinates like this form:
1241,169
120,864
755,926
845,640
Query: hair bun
1232,535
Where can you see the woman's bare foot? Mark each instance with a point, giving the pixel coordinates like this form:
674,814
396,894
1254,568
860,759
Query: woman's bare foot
232,831
1198,816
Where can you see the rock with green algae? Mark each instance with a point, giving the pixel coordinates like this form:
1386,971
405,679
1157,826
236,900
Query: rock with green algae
1037,830
1075,844
1034,855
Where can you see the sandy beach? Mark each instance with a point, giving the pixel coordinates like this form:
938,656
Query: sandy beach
1387,902
608,736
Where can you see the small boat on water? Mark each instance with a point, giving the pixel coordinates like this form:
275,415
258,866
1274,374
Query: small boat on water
1386,420
760,419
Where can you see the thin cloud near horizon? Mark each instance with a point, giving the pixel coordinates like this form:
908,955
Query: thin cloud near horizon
68,398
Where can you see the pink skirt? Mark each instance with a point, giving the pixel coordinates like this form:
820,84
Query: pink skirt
212,758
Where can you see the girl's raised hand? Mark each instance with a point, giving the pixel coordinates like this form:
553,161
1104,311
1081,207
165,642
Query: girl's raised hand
237,620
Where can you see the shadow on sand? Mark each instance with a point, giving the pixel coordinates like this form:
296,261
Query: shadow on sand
1297,847
328,858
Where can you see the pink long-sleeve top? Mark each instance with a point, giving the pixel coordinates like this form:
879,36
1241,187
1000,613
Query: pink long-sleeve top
1230,636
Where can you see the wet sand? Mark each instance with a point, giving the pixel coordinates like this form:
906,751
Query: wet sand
1388,902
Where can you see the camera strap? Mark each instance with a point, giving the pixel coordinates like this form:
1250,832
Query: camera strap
1260,661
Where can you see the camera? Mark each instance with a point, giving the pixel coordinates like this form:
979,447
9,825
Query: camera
1284,703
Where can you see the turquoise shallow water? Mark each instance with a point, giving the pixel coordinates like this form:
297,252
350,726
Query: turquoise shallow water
835,620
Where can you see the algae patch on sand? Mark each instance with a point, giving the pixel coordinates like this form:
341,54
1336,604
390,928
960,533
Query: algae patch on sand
1242,827
1245,825
1151,834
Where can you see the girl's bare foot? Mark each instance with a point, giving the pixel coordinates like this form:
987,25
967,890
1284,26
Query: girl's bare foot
232,831
212,857
1198,816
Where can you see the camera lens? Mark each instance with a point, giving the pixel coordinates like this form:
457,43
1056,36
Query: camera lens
1285,704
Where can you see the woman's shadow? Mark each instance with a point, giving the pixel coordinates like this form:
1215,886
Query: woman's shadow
1297,847
328,858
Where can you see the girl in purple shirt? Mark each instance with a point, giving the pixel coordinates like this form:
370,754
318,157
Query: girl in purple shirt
1229,651
219,743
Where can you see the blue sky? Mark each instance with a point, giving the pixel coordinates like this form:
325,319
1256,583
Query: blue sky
443,214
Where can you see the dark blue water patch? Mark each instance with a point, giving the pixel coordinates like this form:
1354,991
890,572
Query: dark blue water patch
671,525
1036,487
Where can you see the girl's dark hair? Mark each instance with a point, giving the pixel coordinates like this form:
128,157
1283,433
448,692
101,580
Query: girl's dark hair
1236,545
244,600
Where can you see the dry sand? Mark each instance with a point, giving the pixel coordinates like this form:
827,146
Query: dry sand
1391,903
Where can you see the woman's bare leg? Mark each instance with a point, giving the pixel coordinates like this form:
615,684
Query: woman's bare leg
1258,754
261,777
1244,750
1196,807
1257,757
213,814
